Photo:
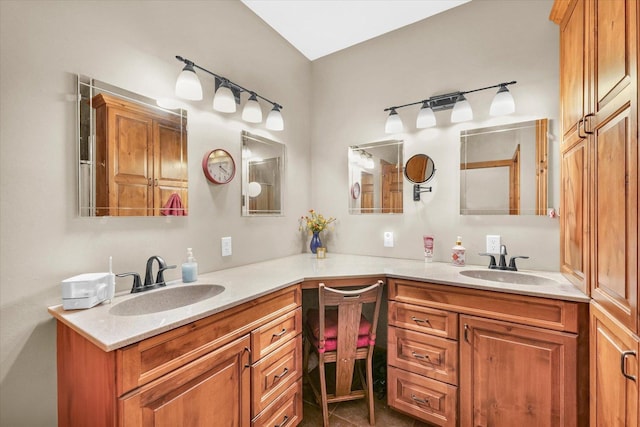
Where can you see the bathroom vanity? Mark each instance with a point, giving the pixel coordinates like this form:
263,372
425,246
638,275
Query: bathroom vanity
461,350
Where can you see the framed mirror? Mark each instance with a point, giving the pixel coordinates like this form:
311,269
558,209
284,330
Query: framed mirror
263,163
132,154
504,169
375,177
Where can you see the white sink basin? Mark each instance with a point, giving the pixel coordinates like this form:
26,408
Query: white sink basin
512,277
165,299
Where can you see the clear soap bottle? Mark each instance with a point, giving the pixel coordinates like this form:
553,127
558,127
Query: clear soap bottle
190,268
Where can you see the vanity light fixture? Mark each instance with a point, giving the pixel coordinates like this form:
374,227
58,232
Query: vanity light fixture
502,104
227,96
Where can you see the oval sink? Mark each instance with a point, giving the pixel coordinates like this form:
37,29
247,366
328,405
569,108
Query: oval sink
165,299
509,277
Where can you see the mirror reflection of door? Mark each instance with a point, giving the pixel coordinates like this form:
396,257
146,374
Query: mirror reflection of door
391,187
366,192
265,173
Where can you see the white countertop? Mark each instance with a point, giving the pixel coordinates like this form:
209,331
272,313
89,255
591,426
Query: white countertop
245,283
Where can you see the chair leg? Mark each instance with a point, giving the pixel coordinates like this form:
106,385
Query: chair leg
370,401
323,393
305,358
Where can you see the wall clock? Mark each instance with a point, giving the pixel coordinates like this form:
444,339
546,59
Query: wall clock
355,190
218,166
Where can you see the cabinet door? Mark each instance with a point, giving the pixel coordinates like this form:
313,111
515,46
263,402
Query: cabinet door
169,164
614,397
210,391
513,375
573,69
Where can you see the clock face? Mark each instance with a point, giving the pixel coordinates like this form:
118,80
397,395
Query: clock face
218,166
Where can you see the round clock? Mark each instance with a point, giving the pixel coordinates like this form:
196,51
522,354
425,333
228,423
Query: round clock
355,190
218,166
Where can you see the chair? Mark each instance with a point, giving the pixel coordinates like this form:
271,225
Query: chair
342,335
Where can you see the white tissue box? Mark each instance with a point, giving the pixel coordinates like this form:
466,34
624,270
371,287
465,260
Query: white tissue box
87,290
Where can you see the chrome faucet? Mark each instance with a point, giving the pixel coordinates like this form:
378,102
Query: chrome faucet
148,276
502,264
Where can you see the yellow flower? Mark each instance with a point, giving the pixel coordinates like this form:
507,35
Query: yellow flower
315,222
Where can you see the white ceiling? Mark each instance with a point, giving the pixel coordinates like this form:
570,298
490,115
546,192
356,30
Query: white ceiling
320,27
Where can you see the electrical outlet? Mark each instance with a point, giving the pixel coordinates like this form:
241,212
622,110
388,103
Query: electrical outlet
493,244
225,244
388,239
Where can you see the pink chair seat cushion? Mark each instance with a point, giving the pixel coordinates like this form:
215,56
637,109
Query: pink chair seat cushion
331,329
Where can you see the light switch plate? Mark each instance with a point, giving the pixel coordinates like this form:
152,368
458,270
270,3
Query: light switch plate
493,244
225,244
388,239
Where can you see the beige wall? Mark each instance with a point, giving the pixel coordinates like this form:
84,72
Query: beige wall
329,104
132,45
479,44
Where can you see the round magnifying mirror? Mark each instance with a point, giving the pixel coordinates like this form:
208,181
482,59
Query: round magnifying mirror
419,169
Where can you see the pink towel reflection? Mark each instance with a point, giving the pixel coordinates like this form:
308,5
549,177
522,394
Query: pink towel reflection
174,206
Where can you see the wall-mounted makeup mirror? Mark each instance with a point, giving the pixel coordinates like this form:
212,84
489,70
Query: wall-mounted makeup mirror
375,177
263,163
419,170
132,154
504,169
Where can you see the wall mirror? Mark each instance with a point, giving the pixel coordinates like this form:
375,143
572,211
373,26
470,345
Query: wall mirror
132,154
263,163
504,169
375,177
419,170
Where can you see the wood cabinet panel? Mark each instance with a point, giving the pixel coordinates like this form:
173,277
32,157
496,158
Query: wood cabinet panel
286,410
423,354
423,319
426,399
272,335
516,375
191,395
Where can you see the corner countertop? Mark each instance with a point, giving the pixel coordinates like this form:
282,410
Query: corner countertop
245,283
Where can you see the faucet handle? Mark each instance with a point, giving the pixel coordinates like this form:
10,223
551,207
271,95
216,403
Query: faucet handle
160,275
492,261
512,262
137,285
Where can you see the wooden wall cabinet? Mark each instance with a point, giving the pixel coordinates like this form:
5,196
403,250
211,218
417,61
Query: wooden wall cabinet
469,357
141,158
208,372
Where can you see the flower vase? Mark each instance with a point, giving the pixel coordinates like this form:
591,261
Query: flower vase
315,242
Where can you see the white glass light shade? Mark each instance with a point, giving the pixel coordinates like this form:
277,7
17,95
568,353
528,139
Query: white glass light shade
462,111
252,112
502,103
223,100
394,123
188,85
274,119
426,118
254,189
369,163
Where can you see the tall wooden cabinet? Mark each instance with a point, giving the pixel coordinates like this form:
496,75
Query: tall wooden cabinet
141,158
599,191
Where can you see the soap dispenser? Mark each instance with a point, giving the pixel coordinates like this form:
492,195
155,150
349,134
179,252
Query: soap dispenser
190,268
457,253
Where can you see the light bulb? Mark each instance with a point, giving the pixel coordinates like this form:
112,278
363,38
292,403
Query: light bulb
188,85
426,118
502,103
224,100
462,111
394,123
252,112
274,119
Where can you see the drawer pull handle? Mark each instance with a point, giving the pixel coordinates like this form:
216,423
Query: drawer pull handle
247,350
623,357
466,332
277,377
415,319
421,401
281,333
423,357
284,421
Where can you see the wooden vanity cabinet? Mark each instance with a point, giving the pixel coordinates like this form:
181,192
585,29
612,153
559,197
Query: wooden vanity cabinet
199,374
466,357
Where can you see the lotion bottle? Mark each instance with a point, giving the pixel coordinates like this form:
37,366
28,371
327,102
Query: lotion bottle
457,253
190,268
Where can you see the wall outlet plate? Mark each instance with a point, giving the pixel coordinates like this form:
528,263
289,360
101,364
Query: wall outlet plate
225,244
388,239
493,244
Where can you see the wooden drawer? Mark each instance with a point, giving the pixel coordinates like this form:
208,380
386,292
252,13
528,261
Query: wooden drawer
149,359
423,354
273,374
534,311
423,319
270,336
286,410
429,400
